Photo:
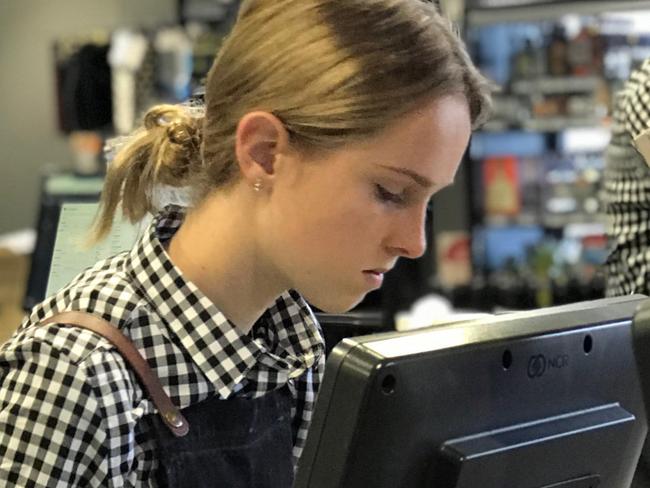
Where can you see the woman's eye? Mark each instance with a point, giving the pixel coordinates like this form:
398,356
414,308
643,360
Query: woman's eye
389,197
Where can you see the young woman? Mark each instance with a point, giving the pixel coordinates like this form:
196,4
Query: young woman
328,126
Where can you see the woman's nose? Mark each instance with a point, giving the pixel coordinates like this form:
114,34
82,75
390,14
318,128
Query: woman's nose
409,238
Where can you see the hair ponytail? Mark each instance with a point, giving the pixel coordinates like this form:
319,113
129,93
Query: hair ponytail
164,151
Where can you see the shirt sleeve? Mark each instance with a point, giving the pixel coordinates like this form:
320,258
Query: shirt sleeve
51,430
306,391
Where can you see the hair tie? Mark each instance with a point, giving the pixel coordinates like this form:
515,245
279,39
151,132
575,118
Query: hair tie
180,133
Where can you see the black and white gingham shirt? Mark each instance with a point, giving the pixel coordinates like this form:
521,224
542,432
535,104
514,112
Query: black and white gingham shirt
626,190
70,408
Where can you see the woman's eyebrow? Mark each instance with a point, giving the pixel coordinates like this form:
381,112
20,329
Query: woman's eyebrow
418,178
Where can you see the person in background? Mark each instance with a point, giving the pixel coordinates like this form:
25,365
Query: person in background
626,196
626,189
327,127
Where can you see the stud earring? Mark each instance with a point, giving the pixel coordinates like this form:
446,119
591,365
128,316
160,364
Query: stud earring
258,185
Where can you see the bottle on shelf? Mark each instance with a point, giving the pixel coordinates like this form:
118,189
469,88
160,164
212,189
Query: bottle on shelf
557,52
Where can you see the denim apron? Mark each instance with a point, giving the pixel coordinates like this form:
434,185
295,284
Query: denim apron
235,443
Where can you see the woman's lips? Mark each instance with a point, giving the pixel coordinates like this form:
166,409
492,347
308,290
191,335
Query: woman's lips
374,277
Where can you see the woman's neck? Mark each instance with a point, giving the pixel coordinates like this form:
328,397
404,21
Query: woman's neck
216,249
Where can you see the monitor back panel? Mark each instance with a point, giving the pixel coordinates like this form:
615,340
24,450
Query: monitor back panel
512,403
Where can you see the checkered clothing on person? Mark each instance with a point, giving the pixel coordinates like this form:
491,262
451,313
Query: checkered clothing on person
626,190
70,407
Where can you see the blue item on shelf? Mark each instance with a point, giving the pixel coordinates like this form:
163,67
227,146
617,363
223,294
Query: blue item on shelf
496,245
497,44
515,143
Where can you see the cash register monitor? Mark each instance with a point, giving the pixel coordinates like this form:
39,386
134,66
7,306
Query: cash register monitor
542,399
61,250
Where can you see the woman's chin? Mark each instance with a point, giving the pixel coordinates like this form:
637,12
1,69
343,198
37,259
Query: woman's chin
336,305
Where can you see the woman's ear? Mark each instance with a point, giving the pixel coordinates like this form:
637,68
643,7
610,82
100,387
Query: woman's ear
261,138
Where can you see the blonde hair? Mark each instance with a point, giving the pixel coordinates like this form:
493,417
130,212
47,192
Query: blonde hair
332,71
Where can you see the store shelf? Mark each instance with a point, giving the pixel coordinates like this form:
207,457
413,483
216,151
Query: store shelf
556,85
545,141
548,221
507,221
560,221
483,12
549,124
558,124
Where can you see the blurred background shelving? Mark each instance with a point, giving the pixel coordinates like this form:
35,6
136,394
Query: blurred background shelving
535,229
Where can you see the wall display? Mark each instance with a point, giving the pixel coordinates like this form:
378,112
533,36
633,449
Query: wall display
538,163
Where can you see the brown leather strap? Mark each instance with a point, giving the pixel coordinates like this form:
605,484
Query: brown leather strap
169,413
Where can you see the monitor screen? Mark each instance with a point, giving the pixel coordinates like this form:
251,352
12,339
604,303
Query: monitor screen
46,231
61,250
539,399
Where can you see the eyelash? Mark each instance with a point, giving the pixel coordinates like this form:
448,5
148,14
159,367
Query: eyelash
385,196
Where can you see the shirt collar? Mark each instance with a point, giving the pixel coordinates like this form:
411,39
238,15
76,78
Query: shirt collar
287,337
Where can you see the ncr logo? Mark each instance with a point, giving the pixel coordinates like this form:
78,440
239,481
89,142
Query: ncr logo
540,364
